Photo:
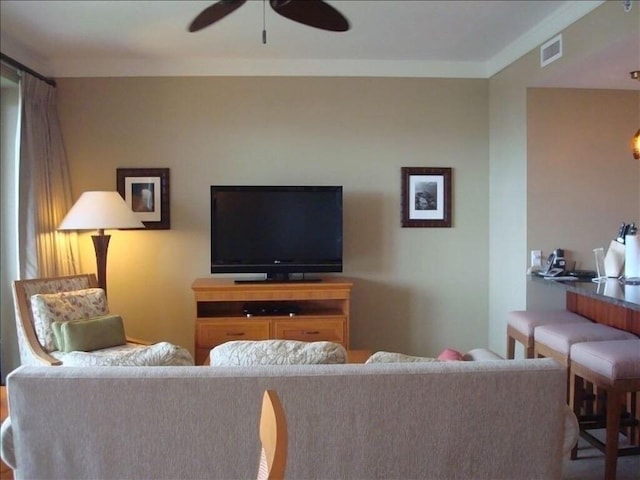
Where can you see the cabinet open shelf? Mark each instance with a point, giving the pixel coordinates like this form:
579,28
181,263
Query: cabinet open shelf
239,309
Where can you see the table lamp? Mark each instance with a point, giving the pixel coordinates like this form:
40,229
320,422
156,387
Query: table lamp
100,210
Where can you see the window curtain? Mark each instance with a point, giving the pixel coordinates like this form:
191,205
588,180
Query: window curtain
44,195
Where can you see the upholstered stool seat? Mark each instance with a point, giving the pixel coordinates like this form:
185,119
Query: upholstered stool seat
613,367
555,340
522,323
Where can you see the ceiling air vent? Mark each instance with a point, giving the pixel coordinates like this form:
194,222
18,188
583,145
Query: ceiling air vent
551,51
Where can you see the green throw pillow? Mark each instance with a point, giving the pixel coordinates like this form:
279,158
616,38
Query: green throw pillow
58,339
91,334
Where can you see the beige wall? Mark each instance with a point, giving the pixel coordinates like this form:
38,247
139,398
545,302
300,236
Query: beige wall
417,290
581,176
582,179
516,219
507,205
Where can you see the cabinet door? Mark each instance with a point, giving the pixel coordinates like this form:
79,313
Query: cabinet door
212,333
328,330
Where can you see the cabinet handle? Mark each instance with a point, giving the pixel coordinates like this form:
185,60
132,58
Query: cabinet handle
230,334
315,332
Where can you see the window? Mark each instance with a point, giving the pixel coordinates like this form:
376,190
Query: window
9,131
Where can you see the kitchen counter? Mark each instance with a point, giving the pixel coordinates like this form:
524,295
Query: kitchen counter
610,302
610,291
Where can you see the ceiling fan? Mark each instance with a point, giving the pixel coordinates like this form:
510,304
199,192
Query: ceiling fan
314,13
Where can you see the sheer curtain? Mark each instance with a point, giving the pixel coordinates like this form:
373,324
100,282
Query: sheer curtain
44,192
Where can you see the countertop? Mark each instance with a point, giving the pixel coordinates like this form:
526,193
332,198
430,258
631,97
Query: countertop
610,290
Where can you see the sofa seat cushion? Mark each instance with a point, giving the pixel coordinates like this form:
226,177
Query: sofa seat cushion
64,307
477,354
245,353
159,354
395,357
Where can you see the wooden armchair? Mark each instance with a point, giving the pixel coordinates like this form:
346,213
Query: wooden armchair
34,352
273,435
31,352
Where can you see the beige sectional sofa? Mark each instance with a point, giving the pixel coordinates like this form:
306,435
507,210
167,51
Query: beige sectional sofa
436,420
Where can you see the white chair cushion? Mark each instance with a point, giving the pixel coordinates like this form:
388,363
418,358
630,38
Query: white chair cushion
276,352
63,307
159,354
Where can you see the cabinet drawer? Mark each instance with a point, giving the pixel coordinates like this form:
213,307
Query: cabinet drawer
210,334
310,330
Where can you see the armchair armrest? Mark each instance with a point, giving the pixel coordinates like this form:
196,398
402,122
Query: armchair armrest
39,354
7,451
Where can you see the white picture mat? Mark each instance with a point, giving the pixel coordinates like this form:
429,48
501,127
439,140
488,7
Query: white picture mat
417,184
155,214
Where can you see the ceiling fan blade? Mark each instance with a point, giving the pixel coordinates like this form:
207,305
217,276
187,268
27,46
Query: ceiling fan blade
215,12
315,13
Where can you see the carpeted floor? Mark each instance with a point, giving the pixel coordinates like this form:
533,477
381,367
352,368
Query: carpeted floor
590,465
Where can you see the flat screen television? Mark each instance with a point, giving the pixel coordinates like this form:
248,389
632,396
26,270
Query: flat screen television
283,232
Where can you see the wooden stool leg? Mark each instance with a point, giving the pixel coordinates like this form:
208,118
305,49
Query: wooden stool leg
529,352
576,403
613,426
633,410
590,398
511,348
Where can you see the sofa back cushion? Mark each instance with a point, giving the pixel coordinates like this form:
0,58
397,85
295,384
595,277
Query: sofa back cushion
64,307
441,420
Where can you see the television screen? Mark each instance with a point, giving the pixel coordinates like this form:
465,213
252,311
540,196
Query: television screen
276,230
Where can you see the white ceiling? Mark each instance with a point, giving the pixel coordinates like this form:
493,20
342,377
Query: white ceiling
387,38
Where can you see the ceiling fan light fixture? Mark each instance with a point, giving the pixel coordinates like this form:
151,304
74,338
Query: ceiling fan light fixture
213,13
313,13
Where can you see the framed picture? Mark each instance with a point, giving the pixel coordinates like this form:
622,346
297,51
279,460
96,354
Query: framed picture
146,191
426,197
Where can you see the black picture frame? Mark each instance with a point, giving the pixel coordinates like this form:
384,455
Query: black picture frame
146,191
426,197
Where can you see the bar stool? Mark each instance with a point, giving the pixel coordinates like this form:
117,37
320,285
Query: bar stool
614,367
522,323
555,341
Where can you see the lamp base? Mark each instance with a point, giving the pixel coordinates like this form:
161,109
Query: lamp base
101,244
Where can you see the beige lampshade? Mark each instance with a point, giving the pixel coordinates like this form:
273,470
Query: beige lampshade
100,210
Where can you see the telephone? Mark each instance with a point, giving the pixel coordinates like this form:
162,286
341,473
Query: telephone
555,265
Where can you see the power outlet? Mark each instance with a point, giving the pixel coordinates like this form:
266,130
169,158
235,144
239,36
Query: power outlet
536,258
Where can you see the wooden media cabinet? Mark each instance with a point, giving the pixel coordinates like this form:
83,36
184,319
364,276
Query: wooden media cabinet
307,311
